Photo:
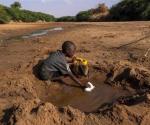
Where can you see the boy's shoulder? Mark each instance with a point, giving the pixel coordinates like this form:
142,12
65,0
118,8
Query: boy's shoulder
56,55
57,52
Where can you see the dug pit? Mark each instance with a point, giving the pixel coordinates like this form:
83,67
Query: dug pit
67,93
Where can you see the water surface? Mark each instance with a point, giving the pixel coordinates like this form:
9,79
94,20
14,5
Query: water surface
85,101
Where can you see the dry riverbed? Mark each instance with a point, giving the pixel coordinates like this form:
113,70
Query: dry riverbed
119,59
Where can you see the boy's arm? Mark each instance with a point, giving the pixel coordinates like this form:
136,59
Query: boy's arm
66,70
70,61
73,77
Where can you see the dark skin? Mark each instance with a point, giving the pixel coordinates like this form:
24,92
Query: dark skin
70,53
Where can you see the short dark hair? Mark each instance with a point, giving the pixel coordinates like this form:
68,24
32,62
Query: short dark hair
68,45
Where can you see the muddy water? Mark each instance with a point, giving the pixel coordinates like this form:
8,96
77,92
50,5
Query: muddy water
63,95
41,32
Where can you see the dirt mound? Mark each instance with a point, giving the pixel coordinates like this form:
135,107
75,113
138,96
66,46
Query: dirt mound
28,107
120,114
33,112
127,115
129,74
21,86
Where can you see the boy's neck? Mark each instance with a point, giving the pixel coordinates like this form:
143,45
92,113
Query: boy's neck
63,53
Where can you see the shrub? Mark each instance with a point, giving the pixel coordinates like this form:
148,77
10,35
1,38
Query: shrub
66,19
4,17
14,13
129,10
16,5
83,16
146,13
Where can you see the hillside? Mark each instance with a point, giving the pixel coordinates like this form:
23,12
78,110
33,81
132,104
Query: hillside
125,10
16,14
130,10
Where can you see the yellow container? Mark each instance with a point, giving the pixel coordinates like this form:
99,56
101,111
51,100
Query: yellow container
82,61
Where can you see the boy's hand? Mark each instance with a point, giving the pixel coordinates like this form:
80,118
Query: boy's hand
73,77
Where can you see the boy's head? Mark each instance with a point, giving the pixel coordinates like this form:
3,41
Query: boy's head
69,48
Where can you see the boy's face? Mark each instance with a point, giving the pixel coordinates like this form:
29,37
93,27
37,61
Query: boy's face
70,53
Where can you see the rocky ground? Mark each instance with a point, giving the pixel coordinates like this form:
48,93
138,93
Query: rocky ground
120,51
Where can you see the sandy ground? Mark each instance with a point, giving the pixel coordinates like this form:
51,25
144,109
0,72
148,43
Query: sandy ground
103,44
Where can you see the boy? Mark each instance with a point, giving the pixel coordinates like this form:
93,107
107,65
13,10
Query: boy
56,65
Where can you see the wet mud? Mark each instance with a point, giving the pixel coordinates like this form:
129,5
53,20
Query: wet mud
72,95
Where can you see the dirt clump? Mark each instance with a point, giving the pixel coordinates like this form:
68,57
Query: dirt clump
125,73
18,87
121,114
37,113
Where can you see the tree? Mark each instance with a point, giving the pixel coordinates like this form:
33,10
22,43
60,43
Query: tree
66,19
83,16
16,5
4,17
102,8
146,13
130,10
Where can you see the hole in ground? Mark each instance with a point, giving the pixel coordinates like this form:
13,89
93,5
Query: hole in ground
62,95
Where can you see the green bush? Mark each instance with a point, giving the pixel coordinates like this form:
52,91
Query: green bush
44,17
16,5
66,19
83,16
146,13
130,10
16,14
29,16
4,17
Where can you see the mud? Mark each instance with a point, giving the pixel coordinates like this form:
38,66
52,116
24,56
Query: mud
72,95
121,76
128,74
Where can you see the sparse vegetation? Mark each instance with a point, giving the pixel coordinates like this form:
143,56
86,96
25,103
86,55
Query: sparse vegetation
125,10
95,14
101,8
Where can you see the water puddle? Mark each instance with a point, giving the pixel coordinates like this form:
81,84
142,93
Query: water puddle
85,101
42,32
